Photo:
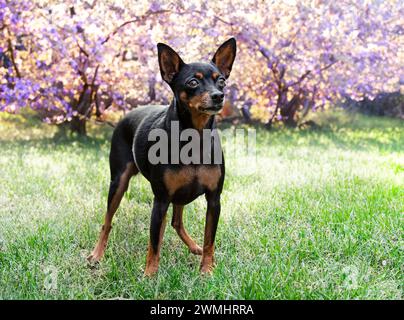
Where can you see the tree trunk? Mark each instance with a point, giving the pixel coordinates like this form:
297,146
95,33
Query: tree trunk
78,125
152,89
288,117
281,100
83,108
288,112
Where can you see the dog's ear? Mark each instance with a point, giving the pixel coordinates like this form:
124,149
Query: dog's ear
224,56
169,61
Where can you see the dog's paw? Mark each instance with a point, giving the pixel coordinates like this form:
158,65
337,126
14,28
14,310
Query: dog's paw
94,259
207,269
196,250
150,271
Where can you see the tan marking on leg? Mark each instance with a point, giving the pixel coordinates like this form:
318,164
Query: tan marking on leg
175,180
209,176
207,261
99,249
153,258
178,225
207,264
208,250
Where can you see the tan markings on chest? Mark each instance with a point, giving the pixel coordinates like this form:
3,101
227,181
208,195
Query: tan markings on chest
208,176
176,179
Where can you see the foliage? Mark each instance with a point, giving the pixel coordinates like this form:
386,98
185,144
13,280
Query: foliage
384,104
72,59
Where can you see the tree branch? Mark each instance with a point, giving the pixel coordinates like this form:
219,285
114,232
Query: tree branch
95,75
82,50
138,19
158,12
307,73
10,49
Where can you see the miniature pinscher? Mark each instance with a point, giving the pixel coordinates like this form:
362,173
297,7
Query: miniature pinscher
198,90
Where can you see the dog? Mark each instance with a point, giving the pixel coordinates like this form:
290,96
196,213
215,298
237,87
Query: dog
198,90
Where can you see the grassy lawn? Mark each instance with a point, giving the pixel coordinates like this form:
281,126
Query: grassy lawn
320,217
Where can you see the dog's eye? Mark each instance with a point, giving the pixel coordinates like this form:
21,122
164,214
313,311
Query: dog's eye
221,82
192,83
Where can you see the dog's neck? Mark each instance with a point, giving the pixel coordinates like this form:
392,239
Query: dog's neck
188,119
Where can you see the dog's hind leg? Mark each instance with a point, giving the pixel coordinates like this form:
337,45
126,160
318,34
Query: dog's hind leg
178,225
122,169
157,227
118,187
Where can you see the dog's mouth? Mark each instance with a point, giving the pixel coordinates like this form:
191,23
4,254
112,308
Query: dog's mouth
211,109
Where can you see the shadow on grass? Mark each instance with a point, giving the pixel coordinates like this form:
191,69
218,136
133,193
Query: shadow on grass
338,129
91,143
26,131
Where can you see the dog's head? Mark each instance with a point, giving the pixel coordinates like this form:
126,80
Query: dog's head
199,87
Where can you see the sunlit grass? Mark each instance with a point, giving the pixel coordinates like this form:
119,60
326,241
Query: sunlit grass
318,216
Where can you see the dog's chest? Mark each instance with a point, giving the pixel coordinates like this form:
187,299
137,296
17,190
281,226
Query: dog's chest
194,179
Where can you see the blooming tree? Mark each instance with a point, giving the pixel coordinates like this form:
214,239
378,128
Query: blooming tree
311,53
72,60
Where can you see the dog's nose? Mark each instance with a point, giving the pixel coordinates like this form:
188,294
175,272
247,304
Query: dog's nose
217,97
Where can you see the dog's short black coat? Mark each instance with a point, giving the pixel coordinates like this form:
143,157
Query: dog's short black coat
198,96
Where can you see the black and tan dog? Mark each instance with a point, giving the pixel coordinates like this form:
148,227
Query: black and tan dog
198,96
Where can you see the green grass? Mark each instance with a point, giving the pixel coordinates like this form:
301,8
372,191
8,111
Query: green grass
320,218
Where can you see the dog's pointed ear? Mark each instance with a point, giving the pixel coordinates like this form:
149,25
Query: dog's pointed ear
169,61
225,55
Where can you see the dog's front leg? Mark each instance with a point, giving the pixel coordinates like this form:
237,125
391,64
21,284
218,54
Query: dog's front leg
212,218
179,227
157,227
